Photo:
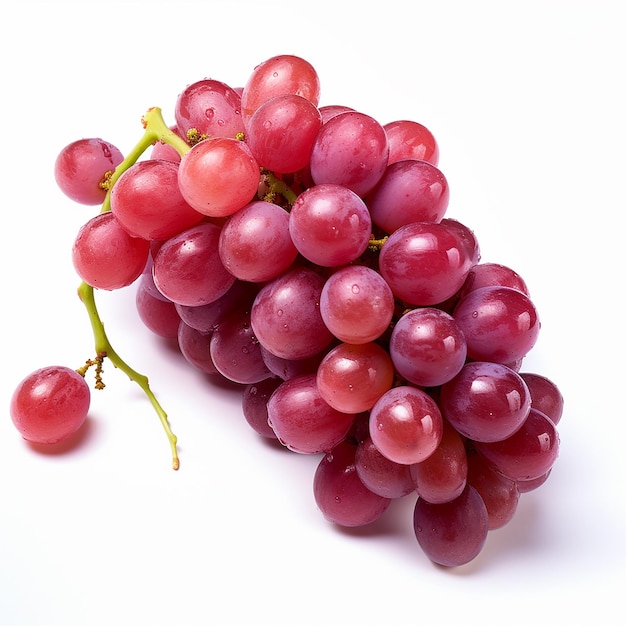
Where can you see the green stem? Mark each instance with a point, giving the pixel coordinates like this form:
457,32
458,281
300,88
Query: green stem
155,130
280,187
105,349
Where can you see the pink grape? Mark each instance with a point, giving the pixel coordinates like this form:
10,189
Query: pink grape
235,351
105,256
211,108
50,404
290,368
409,191
340,494
302,420
411,140
218,176
452,533
81,166
406,425
205,317
351,378
545,396
425,263
188,269
281,132
286,316
351,150
427,347
329,111
280,75
485,401
500,494
147,201
255,244
356,304
528,453
159,315
492,275
330,225
500,324
380,475
443,475
254,401
196,348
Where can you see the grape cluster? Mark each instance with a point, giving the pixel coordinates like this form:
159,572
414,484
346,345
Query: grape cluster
303,252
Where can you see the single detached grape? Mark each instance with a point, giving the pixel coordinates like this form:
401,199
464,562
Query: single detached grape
81,166
50,404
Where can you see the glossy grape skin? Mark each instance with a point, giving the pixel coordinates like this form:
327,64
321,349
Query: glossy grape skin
330,225
50,404
218,176
500,494
81,166
409,191
148,203
500,324
235,350
351,378
527,454
210,107
281,132
205,317
356,304
427,347
406,425
380,475
452,533
492,275
425,263
411,140
340,494
279,75
545,396
254,401
196,348
159,315
187,268
443,475
255,244
302,420
350,150
485,401
105,256
286,318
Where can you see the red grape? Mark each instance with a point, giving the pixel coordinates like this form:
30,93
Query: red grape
50,404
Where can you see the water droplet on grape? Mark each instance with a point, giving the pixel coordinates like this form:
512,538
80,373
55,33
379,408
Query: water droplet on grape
221,122
244,350
356,289
275,74
475,314
279,312
209,113
267,124
337,499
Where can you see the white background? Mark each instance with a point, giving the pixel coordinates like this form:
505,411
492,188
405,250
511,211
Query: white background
527,103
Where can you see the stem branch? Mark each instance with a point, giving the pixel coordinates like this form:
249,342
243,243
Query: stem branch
105,349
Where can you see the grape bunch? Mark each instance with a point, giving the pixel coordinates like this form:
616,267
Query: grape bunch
303,252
